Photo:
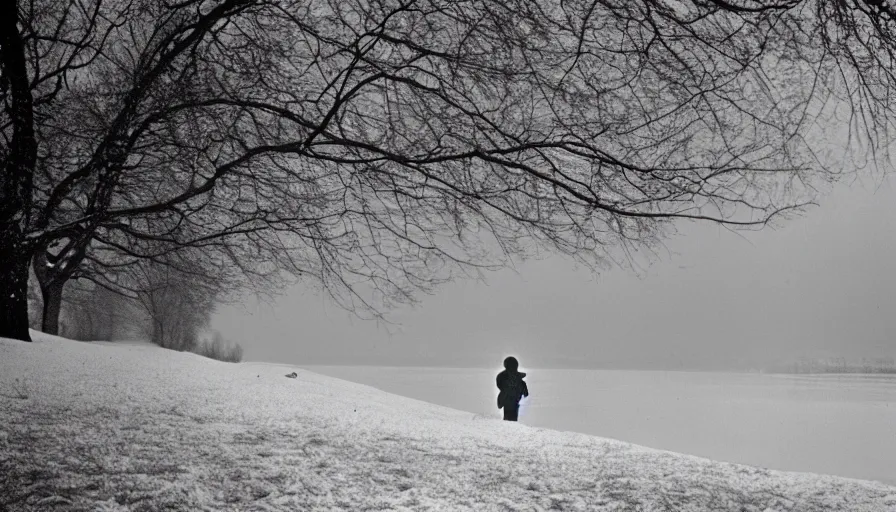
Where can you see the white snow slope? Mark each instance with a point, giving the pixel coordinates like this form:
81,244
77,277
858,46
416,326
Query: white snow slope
99,426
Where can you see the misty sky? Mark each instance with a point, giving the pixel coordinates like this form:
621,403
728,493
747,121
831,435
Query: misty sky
822,285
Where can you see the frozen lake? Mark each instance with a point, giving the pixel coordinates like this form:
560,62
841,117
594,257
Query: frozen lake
836,424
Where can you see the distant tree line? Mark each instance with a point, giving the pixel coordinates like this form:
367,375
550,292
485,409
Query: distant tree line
839,365
162,303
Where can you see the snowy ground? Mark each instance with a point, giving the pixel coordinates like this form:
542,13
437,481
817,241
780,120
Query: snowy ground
95,426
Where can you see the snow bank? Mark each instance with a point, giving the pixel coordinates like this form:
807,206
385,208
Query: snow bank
88,426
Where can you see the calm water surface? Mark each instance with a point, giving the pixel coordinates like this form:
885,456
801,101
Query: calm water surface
841,425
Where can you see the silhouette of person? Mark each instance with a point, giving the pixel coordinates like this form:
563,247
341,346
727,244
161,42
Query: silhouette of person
512,387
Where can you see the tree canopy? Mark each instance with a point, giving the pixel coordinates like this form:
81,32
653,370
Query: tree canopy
377,144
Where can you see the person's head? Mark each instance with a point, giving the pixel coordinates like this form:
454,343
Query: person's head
511,364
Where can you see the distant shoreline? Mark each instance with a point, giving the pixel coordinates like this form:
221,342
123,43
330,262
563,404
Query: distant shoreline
839,366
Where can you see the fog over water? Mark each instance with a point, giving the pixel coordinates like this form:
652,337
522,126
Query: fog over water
841,425
817,286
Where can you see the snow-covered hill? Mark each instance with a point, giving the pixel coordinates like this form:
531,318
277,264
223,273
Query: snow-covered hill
99,426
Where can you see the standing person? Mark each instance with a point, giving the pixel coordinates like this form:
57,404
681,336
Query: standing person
512,387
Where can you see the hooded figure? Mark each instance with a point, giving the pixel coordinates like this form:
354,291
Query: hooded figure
512,387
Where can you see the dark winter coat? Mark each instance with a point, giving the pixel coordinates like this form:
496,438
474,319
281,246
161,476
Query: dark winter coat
512,387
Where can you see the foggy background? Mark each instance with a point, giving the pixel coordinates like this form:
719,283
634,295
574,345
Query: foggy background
819,286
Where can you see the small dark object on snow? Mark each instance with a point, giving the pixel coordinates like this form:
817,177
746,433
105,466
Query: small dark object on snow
292,375
513,388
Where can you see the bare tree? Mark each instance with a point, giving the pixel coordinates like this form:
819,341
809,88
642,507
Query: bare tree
220,348
381,146
178,305
89,312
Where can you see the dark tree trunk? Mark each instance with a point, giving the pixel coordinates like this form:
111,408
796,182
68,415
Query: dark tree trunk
158,333
13,285
16,178
52,306
52,282
53,272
